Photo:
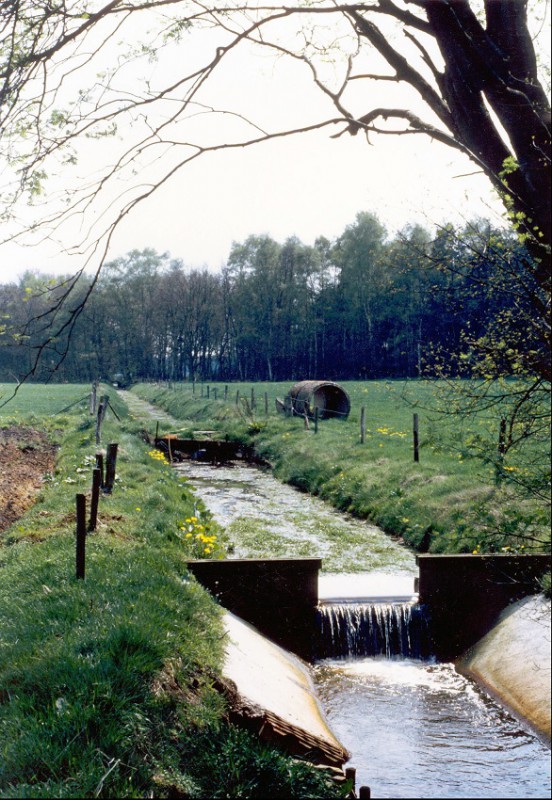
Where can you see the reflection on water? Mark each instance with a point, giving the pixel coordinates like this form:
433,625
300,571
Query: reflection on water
422,730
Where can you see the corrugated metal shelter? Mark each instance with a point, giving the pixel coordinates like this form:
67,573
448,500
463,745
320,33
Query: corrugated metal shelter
328,397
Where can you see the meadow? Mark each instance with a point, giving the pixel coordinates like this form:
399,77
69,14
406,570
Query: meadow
460,496
108,684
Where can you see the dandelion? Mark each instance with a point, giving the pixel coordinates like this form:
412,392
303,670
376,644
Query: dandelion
405,519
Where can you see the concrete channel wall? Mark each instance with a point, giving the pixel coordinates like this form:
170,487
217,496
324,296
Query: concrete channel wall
465,594
278,596
512,662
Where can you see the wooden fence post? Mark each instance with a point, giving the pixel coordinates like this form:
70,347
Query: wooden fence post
208,392
110,463
350,775
96,485
93,399
288,405
100,466
238,397
316,413
252,398
499,472
364,793
99,418
226,391
105,404
362,425
215,393
266,403
81,536
415,433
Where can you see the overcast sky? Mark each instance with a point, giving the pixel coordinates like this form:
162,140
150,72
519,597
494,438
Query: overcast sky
306,186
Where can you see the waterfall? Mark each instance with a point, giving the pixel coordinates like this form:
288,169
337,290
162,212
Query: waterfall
373,629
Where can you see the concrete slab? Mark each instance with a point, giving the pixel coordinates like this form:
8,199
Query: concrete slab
357,587
513,662
274,693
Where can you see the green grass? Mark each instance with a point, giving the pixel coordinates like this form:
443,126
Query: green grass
33,401
448,502
107,685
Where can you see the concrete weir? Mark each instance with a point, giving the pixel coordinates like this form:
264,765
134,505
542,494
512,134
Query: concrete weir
513,662
271,692
485,615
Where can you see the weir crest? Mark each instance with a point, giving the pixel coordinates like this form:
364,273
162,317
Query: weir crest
391,629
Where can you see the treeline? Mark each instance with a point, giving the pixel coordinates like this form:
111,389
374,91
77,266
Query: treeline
363,306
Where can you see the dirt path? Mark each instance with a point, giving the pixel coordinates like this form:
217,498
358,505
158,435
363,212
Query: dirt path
145,411
25,458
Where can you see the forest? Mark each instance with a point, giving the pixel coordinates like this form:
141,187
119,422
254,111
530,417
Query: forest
365,305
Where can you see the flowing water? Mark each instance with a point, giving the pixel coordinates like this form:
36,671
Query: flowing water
265,518
374,629
414,728
422,730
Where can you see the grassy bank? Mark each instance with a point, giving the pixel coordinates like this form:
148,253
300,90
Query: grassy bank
448,502
107,684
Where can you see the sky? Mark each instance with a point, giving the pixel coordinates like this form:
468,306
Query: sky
306,186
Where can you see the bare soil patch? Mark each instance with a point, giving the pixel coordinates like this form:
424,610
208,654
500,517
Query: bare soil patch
26,456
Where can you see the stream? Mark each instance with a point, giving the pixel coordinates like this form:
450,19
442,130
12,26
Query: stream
414,729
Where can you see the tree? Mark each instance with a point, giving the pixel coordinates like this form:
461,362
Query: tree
359,255
66,86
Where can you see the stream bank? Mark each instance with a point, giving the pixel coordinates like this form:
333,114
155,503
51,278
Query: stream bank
522,770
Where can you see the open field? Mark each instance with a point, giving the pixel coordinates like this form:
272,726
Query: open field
450,501
39,400
107,684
